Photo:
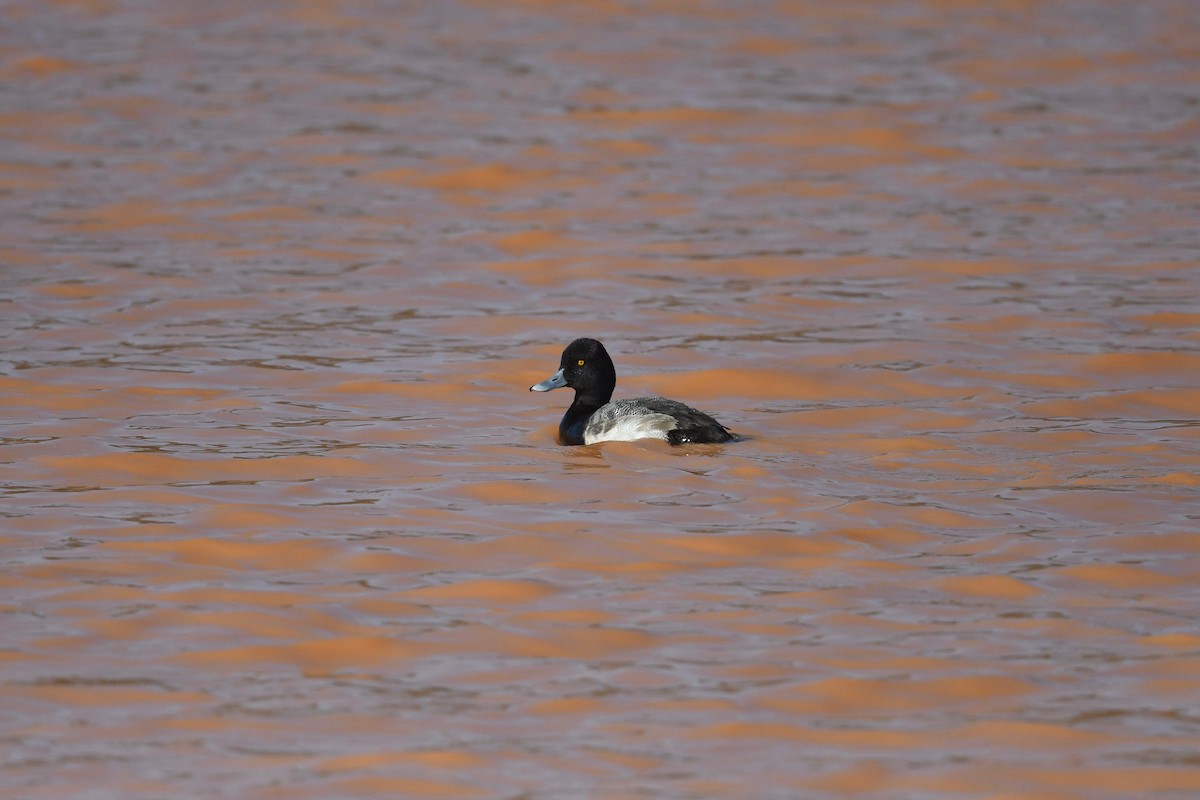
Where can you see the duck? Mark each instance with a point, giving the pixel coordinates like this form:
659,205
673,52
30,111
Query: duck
594,417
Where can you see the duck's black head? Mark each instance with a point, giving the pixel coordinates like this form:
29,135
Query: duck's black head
585,367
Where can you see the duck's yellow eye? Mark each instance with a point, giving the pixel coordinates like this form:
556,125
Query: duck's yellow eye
580,363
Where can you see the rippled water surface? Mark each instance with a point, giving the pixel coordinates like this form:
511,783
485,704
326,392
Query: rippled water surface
280,519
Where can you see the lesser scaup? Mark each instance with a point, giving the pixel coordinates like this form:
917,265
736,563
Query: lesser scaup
587,368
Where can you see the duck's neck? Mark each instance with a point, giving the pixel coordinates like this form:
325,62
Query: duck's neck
570,430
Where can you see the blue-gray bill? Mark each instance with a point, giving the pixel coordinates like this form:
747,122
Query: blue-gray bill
555,381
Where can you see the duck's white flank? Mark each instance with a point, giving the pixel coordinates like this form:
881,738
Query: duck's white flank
623,421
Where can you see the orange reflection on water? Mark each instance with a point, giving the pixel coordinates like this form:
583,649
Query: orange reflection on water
281,519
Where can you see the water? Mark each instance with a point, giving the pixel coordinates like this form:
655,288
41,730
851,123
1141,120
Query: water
280,518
